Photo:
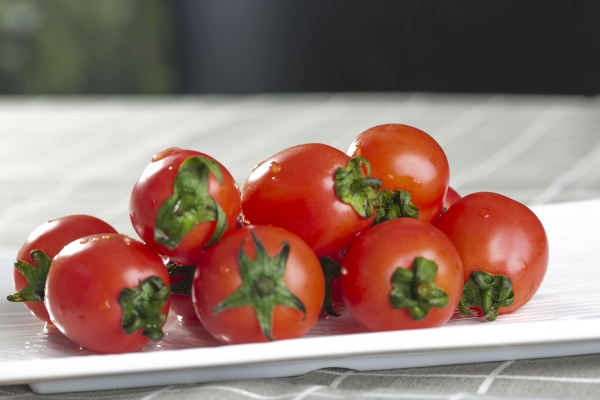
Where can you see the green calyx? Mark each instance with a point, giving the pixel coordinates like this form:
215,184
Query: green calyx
262,286
394,204
141,308
190,204
486,292
331,271
36,276
414,289
185,274
352,188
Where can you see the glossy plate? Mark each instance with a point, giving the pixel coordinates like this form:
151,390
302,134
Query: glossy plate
562,319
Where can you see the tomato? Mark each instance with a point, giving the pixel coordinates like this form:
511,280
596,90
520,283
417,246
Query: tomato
401,274
256,284
314,191
108,293
48,238
184,201
407,160
502,238
452,196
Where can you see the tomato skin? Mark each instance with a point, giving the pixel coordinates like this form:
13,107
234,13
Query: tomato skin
373,257
183,307
294,189
83,287
452,196
406,158
51,237
499,235
155,186
218,276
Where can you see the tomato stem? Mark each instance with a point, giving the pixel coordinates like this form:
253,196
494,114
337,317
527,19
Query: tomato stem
141,308
394,204
262,286
352,188
414,289
190,204
486,292
331,271
35,291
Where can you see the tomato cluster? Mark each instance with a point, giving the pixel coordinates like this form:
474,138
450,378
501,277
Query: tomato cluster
376,232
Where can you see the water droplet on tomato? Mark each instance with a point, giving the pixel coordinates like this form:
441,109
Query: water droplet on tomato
344,271
82,319
105,237
224,269
95,239
274,178
84,240
165,153
484,213
274,167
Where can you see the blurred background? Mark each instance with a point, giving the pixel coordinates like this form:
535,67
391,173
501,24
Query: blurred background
269,46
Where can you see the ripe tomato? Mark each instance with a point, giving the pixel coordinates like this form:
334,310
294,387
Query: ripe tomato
108,293
183,201
258,283
405,159
314,191
47,240
452,196
504,239
401,274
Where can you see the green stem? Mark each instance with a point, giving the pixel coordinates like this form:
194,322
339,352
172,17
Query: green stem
35,291
141,308
486,292
331,271
352,188
394,204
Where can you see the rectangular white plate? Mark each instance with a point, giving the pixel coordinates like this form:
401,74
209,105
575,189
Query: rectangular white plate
562,319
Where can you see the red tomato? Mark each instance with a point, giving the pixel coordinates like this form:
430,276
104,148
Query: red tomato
401,274
50,238
301,190
452,196
181,291
183,201
499,236
93,293
408,159
258,283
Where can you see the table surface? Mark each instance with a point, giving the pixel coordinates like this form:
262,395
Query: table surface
72,155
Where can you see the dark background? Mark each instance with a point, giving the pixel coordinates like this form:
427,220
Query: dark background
255,46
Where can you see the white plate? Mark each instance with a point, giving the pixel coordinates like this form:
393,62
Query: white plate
562,319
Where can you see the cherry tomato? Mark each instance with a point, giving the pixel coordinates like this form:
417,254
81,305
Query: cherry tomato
47,240
401,274
314,191
407,160
184,201
452,196
497,238
108,293
256,284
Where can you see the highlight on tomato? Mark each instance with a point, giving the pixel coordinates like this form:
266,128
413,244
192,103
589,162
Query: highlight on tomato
403,273
504,250
183,202
258,284
35,256
315,191
108,293
413,169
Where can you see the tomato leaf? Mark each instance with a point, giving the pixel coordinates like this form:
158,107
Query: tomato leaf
394,204
141,308
35,275
190,204
486,292
352,188
262,286
414,289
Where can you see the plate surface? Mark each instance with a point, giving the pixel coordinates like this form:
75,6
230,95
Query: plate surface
562,319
